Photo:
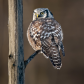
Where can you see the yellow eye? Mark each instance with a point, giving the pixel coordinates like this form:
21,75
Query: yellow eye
42,13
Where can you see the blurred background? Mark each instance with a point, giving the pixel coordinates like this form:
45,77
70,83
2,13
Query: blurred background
70,14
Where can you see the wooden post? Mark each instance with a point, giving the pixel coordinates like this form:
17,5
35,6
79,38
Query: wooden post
16,54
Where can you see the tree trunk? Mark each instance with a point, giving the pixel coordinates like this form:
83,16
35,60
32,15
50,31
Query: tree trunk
16,54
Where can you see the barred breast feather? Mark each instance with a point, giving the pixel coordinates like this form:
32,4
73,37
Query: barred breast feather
46,35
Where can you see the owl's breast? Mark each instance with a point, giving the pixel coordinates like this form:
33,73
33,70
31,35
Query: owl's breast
34,34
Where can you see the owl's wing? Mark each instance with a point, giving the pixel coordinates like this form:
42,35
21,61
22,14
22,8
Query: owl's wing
51,50
62,48
58,36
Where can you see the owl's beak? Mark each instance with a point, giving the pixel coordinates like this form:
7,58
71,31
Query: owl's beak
36,15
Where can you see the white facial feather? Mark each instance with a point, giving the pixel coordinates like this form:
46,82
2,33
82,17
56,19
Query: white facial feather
39,10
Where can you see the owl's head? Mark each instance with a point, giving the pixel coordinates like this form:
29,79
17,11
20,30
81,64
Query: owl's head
42,13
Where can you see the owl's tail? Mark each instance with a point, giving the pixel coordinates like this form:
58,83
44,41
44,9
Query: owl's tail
55,58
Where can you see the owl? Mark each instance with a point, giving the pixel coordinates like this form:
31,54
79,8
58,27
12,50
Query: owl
45,33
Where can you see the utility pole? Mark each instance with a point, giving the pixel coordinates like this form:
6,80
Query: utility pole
16,53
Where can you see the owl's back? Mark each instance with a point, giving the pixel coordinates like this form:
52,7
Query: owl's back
42,29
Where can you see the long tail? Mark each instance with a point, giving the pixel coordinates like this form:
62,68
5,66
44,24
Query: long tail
55,58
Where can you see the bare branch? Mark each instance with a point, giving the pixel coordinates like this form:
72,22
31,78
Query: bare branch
30,58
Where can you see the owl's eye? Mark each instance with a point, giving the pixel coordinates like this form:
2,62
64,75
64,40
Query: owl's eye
42,13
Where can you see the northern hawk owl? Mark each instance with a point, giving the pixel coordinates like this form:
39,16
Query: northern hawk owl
45,33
